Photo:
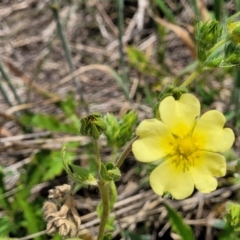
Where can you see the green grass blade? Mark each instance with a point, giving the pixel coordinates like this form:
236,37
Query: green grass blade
218,4
120,11
8,81
164,8
196,10
65,45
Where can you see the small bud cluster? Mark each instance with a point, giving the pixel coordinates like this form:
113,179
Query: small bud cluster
233,27
207,35
119,131
60,212
92,125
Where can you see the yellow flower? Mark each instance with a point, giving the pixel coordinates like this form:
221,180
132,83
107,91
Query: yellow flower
189,147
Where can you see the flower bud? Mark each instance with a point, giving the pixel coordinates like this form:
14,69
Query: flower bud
234,31
233,28
207,35
92,125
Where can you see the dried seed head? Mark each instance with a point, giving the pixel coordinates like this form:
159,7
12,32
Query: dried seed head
49,208
59,191
62,217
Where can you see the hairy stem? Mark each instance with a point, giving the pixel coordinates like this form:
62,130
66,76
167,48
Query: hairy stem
103,188
190,78
217,46
125,153
96,147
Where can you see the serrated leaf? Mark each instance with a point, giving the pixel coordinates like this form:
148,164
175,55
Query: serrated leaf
104,173
48,122
68,105
107,236
109,172
6,226
82,175
77,173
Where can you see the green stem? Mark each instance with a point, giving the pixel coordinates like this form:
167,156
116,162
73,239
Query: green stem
200,69
190,78
103,188
125,153
217,46
96,146
114,153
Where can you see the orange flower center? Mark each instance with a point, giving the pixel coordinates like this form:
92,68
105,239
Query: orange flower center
186,146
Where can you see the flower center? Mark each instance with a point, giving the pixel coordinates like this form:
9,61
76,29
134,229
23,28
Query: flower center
186,146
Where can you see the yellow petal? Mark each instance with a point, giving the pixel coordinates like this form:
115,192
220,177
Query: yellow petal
154,142
172,178
179,115
210,135
207,165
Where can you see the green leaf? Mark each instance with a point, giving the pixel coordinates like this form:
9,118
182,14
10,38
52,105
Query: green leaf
104,173
178,224
140,61
5,204
35,170
77,173
48,122
33,222
107,236
166,10
213,63
120,131
109,172
82,175
6,226
54,166
68,105
233,215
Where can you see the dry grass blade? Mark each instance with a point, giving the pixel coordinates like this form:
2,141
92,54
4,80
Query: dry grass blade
203,11
17,72
179,31
99,67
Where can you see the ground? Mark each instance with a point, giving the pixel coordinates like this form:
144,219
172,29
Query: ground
33,56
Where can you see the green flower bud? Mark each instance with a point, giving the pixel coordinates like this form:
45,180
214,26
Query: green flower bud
213,63
234,31
207,35
232,54
233,28
119,131
109,172
234,59
92,125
